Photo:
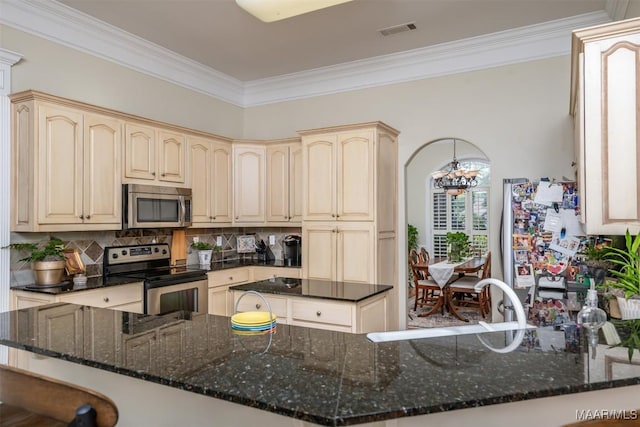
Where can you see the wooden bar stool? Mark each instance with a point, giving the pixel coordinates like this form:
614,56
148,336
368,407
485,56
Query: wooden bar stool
30,399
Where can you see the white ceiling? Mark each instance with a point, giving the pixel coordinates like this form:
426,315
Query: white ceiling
221,35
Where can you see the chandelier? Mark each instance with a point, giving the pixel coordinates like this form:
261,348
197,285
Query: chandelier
455,180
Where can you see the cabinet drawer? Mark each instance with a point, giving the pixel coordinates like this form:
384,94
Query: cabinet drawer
228,277
321,312
106,297
252,302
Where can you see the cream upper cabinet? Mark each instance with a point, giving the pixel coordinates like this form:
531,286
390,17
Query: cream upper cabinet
339,176
153,154
66,167
284,183
342,252
209,177
350,203
605,101
249,183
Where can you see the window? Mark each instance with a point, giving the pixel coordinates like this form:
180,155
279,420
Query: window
468,212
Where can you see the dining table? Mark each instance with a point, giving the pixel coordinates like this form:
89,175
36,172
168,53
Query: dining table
442,273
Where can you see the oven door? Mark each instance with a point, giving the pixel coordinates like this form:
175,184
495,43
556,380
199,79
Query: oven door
175,294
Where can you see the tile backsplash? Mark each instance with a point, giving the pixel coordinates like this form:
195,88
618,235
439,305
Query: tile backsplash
91,245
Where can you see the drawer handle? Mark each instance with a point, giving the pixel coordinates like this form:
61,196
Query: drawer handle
318,313
105,299
258,306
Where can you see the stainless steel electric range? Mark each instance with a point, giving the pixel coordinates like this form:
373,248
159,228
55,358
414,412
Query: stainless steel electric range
166,288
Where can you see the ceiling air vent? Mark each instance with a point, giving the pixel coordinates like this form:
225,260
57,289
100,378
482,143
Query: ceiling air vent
398,29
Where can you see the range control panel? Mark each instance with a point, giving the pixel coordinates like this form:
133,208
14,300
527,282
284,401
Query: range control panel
136,253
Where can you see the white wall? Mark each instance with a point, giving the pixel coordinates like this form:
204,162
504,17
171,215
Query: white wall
517,115
62,71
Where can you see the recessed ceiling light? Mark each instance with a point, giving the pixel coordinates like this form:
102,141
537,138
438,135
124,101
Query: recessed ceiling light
275,10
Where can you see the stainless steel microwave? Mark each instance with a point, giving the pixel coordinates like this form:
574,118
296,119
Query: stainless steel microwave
150,206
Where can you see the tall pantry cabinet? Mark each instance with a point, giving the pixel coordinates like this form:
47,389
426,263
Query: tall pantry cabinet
605,100
349,205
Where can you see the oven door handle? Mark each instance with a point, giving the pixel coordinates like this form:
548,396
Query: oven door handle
153,284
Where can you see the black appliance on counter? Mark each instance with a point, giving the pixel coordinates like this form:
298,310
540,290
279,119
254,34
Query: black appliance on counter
264,252
292,246
166,288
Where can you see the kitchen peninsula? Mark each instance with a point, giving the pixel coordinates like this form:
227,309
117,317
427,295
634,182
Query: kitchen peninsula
192,369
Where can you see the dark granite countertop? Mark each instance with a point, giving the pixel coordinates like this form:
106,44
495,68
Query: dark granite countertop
100,282
319,376
341,291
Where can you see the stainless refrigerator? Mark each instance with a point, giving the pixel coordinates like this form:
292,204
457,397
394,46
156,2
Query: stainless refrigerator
540,234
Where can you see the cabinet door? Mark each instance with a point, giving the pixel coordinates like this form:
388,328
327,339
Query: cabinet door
102,201
612,149
220,301
295,183
356,252
319,177
140,152
319,251
278,183
249,184
171,159
355,155
60,165
222,183
55,319
201,180
139,351
107,325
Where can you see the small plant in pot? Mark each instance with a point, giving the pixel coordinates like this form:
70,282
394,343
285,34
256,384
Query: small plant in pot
47,260
205,250
457,246
626,276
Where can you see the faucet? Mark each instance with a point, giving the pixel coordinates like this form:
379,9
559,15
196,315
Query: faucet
521,318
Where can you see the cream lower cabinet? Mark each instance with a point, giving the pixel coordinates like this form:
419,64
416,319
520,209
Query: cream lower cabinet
210,180
220,299
127,297
605,99
66,167
284,183
344,252
369,315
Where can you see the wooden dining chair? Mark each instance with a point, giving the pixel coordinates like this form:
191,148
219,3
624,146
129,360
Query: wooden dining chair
32,399
428,293
462,291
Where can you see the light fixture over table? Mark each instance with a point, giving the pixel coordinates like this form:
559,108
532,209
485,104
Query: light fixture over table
454,180
275,10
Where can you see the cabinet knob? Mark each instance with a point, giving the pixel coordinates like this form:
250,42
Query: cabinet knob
318,313
337,216
105,299
162,174
237,217
230,277
81,216
258,306
88,216
153,173
214,217
333,215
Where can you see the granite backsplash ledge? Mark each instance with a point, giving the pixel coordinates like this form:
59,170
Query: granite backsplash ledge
91,244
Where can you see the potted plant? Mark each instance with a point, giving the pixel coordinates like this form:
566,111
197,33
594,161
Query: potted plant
205,250
457,246
412,236
626,276
47,261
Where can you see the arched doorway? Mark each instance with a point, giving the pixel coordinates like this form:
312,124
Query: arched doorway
433,212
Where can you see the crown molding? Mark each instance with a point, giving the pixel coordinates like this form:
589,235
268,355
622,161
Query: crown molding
64,25
617,9
523,44
61,24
